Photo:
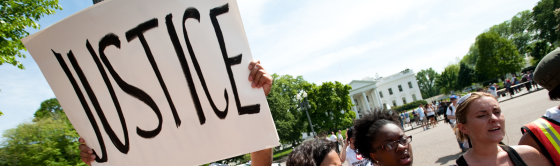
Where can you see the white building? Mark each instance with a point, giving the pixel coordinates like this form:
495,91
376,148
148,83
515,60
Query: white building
390,91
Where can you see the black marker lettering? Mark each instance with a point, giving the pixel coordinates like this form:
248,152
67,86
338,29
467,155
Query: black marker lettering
112,39
86,108
251,109
185,66
116,141
139,32
193,13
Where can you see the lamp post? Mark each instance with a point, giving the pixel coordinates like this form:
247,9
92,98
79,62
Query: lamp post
304,104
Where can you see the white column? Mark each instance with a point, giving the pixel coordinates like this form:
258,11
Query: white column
354,107
365,99
378,98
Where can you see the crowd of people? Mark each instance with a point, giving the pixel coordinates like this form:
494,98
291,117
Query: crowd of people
378,138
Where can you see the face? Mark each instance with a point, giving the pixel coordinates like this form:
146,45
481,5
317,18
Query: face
402,155
331,159
454,101
485,121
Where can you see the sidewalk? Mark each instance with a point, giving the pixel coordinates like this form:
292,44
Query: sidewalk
522,92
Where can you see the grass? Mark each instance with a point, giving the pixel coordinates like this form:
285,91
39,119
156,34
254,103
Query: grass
279,154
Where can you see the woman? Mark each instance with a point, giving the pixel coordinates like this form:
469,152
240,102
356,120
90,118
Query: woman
318,152
509,88
481,122
431,115
381,140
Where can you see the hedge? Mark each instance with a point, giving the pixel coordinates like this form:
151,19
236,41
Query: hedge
409,106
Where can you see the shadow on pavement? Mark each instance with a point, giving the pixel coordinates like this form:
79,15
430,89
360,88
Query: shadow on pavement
445,159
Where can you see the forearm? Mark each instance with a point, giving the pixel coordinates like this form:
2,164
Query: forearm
343,153
262,157
451,117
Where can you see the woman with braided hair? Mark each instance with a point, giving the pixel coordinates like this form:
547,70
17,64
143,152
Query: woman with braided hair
480,121
380,139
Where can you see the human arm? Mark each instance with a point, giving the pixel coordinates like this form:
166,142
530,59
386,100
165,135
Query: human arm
262,157
86,153
531,156
342,155
526,139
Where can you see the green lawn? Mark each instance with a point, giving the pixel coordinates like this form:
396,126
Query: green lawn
278,155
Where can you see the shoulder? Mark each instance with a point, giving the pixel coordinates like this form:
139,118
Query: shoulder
530,155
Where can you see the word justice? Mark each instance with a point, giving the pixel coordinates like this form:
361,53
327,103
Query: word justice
138,33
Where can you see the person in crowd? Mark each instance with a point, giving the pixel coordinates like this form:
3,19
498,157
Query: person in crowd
509,88
451,110
340,138
334,141
527,81
481,122
542,134
318,152
533,82
444,107
401,119
259,77
492,90
349,152
379,139
431,116
514,82
416,118
422,116
407,119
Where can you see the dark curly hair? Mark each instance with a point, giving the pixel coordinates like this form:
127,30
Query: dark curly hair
310,153
366,128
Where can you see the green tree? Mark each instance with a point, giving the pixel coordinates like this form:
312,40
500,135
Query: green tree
288,118
49,108
472,56
447,81
48,140
517,30
545,21
426,82
330,106
497,55
538,50
15,17
466,75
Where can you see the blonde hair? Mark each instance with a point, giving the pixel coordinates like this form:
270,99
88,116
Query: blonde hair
462,110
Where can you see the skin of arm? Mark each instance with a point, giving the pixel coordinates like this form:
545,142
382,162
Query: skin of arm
259,78
531,156
526,139
343,152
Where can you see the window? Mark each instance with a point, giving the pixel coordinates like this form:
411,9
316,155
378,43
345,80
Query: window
385,106
413,97
400,88
410,85
367,97
404,100
390,91
394,103
380,94
356,102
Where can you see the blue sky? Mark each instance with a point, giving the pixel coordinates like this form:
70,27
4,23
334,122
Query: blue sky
323,40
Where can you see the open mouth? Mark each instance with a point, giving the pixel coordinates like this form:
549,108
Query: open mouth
495,129
405,159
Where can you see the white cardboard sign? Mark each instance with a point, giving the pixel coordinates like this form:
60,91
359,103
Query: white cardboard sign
156,82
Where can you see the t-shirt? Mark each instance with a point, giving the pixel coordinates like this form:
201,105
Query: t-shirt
420,112
406,115
340,136
553,113
333,138
430,112
451,111
356,159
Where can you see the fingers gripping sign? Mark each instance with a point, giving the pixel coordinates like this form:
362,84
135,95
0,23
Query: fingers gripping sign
259,77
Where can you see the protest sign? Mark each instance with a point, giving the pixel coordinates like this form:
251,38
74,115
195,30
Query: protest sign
156,82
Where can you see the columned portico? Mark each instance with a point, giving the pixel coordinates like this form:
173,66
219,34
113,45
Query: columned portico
354,107
367,103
